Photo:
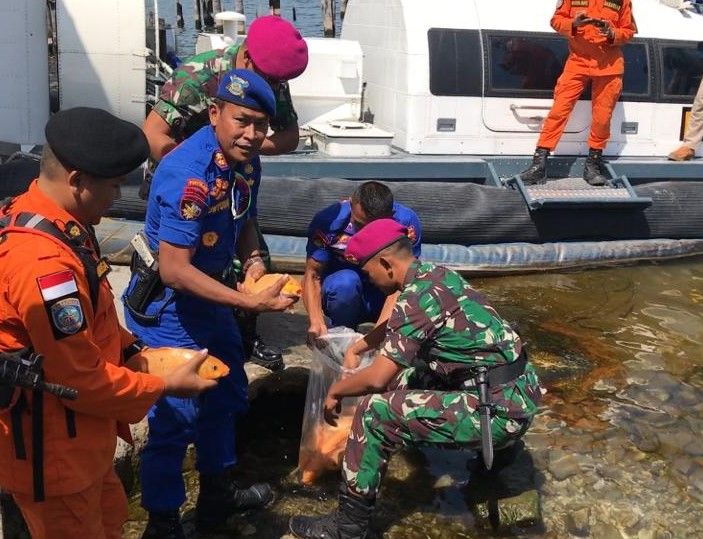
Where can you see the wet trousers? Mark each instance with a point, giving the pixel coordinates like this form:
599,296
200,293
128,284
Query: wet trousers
386,422
97,512
605,92
694,132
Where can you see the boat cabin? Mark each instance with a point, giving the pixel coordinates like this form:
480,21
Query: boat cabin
477,76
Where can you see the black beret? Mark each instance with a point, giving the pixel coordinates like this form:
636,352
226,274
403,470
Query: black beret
96,142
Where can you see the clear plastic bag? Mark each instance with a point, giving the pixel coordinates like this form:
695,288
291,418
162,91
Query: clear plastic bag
322,445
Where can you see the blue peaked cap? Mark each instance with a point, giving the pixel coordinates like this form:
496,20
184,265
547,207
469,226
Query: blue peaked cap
248,89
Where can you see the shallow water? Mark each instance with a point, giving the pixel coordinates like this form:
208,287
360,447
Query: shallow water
615,451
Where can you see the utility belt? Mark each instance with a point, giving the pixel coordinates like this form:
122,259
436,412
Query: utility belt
484,379
467,378
148,285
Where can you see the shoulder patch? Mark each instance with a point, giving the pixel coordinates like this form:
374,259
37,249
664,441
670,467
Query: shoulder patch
412,234
62,304
67,316
194,199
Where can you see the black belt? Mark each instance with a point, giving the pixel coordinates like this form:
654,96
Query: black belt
502,374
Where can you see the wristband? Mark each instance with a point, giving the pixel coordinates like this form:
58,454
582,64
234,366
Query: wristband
251,261
134,348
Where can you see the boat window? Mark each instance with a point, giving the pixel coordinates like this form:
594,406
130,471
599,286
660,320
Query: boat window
637,75
528,65
523,64
682,67
455,62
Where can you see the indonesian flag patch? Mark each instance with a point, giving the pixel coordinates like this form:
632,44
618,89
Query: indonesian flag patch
63,306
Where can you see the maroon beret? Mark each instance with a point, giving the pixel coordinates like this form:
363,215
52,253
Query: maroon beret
372,239
277,48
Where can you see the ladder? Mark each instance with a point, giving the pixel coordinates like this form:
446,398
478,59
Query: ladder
576,193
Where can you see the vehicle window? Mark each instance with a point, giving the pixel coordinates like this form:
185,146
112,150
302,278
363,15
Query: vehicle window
455,62
636,77
526,63
682,67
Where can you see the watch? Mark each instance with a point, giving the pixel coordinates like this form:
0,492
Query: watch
135,347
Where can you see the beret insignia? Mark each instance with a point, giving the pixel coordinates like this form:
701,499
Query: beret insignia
237,86
194,199
350,258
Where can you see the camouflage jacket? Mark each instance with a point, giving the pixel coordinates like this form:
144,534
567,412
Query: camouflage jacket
438,311
186,96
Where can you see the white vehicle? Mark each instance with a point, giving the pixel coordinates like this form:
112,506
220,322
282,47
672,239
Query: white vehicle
476,76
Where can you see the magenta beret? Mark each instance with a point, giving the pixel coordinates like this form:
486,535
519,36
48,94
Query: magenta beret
372,239
277,48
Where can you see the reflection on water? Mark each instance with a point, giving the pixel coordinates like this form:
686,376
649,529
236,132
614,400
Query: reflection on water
615,452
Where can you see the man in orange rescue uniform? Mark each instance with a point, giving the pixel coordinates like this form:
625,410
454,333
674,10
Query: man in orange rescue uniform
596,29
55,301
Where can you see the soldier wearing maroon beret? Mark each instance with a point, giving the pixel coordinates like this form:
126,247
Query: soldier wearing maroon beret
423,385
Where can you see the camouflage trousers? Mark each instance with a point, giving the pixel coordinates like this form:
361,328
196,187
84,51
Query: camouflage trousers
386,422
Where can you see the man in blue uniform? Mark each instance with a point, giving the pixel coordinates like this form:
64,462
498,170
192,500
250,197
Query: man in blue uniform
197,189
332,286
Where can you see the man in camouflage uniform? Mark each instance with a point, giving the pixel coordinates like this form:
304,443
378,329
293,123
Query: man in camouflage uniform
275,50
422,384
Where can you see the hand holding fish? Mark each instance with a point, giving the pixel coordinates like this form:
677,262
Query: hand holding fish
184,380
333,407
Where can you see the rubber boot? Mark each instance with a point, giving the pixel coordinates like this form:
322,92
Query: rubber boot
255,349
349,521
536,173
594,171
220,497
164,526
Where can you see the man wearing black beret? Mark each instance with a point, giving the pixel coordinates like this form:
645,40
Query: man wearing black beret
56,454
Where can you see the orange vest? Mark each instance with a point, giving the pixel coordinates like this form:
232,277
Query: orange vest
87,358
590,52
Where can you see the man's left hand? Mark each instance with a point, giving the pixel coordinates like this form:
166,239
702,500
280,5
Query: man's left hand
333,407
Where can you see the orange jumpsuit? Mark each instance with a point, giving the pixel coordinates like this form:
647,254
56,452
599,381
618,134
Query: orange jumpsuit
592,58
84,498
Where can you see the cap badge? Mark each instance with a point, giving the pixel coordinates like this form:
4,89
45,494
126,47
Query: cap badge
237,86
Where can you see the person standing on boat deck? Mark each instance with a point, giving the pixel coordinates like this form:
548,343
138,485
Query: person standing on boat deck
332,286
198,188
596,30
275,50
57,302
422,386
694,131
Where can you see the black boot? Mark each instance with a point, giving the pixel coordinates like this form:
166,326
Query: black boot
536,173
164,526
255,349
220,497
594,171
349,521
